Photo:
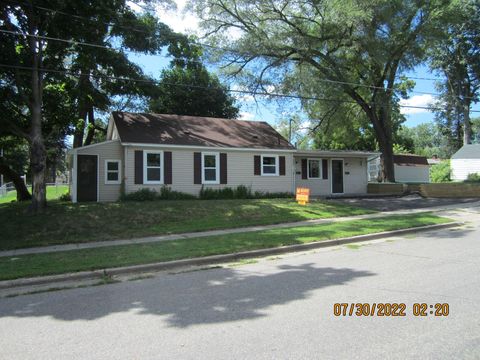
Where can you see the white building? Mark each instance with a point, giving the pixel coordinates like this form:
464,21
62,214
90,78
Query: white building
465,161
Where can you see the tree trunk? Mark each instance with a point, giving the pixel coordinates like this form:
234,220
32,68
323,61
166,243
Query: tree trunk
91,127
467,126
38,153
22,191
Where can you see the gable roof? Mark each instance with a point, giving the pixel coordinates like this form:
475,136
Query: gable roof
410,160
469,151
166,129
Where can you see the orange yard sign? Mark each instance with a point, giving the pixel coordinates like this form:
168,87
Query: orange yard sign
303,195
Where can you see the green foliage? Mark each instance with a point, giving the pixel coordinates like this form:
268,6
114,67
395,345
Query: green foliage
65,197
165,193
192,90
440,172
427,140
473,178
240,192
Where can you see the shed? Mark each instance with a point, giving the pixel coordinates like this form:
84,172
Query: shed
465,161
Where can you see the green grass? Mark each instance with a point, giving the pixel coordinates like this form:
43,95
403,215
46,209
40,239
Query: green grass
76,223
100,258
53,193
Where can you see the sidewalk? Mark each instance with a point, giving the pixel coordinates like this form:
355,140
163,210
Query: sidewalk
150,239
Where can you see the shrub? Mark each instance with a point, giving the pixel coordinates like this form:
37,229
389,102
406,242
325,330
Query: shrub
140,195
440,172
473,178
240,192
167,193
65,197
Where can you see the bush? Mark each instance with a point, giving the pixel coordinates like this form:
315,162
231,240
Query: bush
140,195
165,193
440,172
240,192
473,178
65,197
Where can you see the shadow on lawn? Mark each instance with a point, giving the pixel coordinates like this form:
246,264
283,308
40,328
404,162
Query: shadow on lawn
202,297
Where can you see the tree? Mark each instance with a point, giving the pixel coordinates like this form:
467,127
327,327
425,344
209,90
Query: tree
456,56
360,47
192,90
37,43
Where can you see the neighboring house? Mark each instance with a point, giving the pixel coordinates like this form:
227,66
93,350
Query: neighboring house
187,153
465,161
408,169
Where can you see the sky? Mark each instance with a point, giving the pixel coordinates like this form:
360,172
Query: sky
182,21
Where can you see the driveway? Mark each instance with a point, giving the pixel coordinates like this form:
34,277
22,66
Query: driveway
392,203
277,308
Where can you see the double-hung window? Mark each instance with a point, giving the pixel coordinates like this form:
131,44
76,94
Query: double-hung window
153,167
210,168
269,165
314,169
112,172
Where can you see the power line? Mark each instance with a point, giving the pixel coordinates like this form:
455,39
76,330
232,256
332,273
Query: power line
246,92
193,42
74,42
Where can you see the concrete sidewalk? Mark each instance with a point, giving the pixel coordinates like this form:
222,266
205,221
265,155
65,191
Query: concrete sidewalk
191,235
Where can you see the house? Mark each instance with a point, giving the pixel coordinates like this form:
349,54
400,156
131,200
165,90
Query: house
465,161
407,168
187,153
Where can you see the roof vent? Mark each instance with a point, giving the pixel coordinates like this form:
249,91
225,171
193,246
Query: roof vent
255,137
186,132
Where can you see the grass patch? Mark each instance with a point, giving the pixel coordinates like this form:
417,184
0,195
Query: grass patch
353,246
53,193
100,258
64,223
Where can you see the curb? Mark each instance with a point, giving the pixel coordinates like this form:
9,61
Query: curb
215,259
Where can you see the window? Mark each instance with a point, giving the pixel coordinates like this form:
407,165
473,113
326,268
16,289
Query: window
210,168
269,165
152,167
314,169
112,172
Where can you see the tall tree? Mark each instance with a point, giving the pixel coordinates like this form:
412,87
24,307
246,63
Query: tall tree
187,88
37,44
361,45
456,56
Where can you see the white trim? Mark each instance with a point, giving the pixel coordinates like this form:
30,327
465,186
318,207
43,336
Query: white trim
217,168
74,179
75,150
320,169
145,179
277,165
106,171
207,148
343,175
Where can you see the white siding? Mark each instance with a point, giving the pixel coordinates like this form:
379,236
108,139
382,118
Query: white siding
240,167
354,178
462,167
412,174
110,150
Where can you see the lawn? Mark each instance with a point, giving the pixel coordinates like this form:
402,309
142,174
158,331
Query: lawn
53,192
100,258
75,223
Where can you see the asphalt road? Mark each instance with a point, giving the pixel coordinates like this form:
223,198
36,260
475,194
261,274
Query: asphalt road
278,308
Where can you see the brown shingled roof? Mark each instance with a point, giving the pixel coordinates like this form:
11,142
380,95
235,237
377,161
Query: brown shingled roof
410,160
197,131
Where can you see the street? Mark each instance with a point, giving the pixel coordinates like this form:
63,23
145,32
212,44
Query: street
276,308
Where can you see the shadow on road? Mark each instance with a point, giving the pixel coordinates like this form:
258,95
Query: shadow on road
201,297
